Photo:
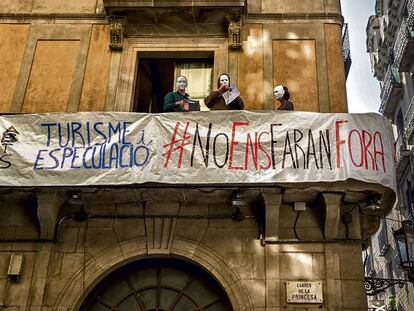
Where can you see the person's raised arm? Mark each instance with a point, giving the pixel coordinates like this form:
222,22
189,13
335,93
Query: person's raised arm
212,99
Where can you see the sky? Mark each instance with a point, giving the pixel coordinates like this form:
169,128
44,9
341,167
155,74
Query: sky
362,88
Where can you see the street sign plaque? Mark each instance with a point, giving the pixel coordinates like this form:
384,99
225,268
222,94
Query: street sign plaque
304,292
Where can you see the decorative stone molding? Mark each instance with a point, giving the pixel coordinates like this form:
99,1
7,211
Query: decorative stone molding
235,29
272,203
118,255
160,230
48,207
332,203
117,26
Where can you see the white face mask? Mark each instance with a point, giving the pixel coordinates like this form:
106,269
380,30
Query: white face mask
181,83
278,92
224,80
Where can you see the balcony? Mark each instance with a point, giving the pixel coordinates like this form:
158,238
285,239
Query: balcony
409,123
194,17
346,51
404,46
127,7
369,267
410,9
170,3
402,155
383,244
391,91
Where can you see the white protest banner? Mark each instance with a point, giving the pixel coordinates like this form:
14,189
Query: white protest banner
232,147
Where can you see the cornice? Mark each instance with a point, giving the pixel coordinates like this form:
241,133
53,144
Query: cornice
28,17
301,17
251,17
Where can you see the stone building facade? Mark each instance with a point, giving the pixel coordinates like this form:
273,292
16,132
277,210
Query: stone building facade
174,247
390,34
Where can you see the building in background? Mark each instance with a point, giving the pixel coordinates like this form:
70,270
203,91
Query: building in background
187,241
390,43
346,50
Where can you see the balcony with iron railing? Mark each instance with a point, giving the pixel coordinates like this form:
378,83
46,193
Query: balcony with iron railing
346,50
409,122
391,91
369,267
383,243
404,46
402,152
410,9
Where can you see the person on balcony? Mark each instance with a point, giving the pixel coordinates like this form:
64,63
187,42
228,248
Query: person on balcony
226,97
178,100
281,94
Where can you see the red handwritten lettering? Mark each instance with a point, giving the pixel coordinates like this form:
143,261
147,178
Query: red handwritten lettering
339,142
253,147
379,150
182,143
269,162
234,143
352,145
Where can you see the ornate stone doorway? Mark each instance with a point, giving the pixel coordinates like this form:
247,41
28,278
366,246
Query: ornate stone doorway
158,285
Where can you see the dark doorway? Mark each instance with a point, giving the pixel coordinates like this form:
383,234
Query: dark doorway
156,74
154,79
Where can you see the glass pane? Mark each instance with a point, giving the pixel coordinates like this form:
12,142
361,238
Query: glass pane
148,298
129,304
184,304
411,251
174,278
98,307
201,293
143,278
403,251
116,292
219,306
199,77
167,298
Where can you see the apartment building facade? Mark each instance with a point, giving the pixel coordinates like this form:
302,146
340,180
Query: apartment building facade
390,43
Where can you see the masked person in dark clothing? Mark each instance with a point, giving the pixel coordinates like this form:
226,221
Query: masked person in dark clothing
177,101
226,97
281,94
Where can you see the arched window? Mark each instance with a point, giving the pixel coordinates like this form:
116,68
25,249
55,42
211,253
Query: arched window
158,284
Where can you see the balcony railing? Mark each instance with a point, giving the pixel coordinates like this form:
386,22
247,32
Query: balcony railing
369,268
401,149
409,122
346,50
404,46
410,9
383,240
391,91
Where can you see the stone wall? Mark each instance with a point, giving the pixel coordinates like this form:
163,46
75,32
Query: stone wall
49,6
57,58
56,274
